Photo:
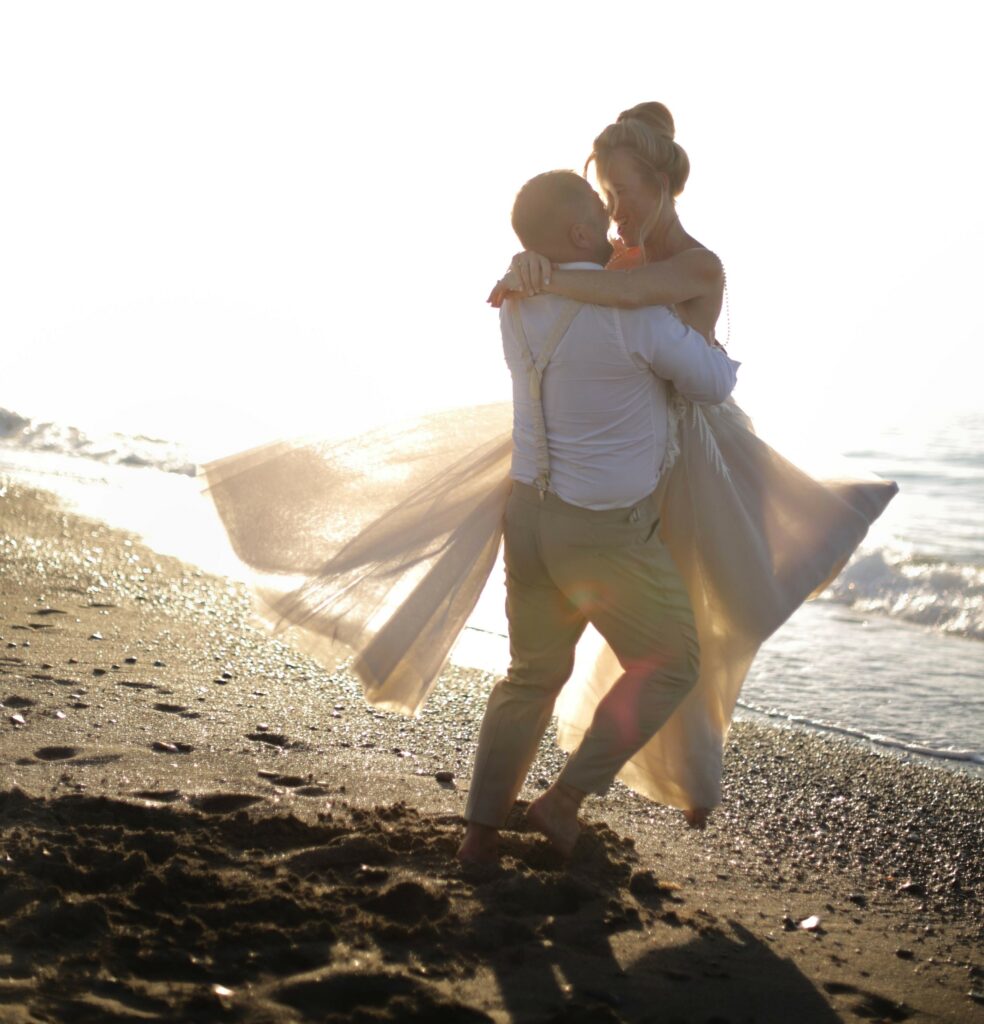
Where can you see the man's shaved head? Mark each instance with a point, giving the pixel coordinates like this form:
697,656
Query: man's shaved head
548,206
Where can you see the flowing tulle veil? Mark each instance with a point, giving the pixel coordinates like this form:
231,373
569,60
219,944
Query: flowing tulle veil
379,547
376,547
753,537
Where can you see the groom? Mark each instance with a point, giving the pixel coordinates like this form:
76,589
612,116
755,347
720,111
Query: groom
581,543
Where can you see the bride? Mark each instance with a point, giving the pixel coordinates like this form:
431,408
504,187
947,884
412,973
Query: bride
642,170
380,545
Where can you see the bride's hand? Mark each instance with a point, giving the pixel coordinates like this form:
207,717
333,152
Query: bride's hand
507,285
533,270
528,273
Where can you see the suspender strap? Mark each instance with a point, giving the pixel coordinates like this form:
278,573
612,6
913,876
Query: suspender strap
535,367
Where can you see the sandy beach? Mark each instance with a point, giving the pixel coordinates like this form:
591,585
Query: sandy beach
199,823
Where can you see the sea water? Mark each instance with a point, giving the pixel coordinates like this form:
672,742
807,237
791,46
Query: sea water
892,652
893,649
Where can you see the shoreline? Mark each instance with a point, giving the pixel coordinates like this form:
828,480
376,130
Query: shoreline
959,762
175,710
109,496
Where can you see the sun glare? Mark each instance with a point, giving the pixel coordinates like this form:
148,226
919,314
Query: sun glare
277,240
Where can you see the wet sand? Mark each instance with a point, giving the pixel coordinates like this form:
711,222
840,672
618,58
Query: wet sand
198,823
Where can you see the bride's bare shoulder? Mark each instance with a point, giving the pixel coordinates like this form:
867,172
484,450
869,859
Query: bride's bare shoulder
701,261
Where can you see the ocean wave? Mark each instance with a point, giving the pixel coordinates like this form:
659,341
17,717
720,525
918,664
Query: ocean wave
940,592
946,596
25,434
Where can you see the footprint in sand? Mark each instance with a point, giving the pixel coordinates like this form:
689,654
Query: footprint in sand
347,992
56,753
275,739
351,850
162,796
177,709
15,701
408,902
223,803
645,886
94,760
313,791
869,1004
290,781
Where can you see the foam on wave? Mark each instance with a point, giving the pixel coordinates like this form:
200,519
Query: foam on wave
23,433
946,596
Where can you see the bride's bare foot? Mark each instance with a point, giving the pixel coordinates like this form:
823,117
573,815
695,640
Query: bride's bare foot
555,815
480,845
697,817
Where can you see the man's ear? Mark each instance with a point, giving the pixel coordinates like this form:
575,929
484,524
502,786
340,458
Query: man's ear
579,236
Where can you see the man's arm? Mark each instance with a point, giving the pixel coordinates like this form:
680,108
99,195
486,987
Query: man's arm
676,352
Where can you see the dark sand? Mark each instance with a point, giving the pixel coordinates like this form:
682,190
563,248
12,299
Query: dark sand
198,823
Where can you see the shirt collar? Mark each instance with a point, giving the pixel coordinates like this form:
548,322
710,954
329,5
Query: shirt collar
580,265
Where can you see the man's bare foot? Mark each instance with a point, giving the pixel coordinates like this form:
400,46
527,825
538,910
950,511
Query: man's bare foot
479,846
697,817
555,815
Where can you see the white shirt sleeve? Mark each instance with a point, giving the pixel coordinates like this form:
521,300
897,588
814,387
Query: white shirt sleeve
676,352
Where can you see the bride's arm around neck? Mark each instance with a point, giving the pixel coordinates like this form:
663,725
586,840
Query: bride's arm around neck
689,274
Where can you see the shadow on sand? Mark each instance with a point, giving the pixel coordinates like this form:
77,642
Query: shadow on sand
114,910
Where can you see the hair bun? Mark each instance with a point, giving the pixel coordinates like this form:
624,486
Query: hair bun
654,115
647,130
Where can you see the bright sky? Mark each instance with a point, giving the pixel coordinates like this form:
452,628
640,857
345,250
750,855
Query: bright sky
234,220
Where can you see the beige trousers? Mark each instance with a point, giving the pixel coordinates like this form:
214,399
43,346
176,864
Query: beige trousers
565,567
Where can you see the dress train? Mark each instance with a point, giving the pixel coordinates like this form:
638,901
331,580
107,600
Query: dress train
379,546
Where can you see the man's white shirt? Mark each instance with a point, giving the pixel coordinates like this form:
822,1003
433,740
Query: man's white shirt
605,395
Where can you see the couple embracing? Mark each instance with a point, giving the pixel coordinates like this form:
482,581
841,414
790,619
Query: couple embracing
634,496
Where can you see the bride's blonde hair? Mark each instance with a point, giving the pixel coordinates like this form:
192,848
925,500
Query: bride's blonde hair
647,132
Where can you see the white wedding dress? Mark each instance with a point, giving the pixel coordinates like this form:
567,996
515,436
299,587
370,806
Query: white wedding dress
380,546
